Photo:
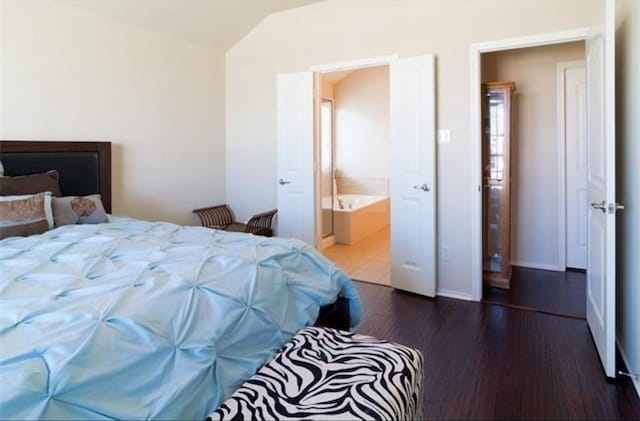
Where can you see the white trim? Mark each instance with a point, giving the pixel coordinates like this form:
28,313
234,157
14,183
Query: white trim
561,74
541,266
561,71
476,173
327,242
354,64
475,79
454,294
623,354
537,40
317,171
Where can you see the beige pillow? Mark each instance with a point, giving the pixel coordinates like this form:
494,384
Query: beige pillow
70,210
25,215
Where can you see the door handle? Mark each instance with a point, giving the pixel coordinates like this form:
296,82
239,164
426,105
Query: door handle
602,206
424,187
282,182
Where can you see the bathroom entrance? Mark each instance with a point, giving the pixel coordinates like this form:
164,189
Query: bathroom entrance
354,177
357,191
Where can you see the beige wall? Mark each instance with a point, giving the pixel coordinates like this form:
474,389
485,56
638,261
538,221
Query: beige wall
326,89
69,74
362,129
628,182
297,39
534,153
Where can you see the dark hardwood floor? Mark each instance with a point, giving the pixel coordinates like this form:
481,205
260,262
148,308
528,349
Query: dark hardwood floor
547,291
487,361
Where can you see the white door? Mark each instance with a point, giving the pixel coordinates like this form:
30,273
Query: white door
601,187
575,117
413,175
295,182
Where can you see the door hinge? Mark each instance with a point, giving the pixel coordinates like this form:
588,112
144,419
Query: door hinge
612,208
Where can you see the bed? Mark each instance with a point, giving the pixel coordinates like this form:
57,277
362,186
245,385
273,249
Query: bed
133,319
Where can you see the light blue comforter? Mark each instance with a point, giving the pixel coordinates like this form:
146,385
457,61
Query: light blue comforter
134,320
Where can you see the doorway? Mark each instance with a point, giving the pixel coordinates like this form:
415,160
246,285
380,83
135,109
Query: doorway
544,157
600,53
534,172
355,170
412,164
534,159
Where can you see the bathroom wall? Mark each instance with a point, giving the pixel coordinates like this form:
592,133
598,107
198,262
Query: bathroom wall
362,132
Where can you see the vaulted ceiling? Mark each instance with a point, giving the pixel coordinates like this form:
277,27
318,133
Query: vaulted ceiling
215,23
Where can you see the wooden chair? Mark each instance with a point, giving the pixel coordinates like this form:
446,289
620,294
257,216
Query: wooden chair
221,217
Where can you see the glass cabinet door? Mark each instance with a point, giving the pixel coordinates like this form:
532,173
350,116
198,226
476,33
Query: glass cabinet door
495,192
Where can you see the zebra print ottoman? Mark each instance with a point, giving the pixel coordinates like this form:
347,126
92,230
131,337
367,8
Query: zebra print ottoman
325,373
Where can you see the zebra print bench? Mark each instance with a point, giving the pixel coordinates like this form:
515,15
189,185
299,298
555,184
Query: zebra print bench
325,373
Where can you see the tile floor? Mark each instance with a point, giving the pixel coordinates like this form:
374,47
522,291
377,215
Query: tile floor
368,260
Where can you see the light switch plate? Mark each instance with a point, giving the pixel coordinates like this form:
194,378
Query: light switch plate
444,136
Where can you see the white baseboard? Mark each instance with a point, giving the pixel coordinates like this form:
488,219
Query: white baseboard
454,294
541,266
636,382
327,242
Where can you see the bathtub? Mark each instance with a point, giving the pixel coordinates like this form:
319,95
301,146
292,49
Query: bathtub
357,216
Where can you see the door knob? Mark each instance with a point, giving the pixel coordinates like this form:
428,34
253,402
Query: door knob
615,207
602,206
424,187
282,182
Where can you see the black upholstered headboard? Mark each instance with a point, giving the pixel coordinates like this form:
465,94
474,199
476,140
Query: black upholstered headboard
84,167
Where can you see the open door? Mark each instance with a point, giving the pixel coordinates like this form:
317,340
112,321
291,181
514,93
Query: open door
296,198
413,175
601,278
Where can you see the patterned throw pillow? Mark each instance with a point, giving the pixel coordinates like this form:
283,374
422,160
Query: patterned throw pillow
31,184
25,215
78,210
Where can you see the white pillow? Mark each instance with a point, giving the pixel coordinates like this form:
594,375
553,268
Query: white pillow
1,169
48,211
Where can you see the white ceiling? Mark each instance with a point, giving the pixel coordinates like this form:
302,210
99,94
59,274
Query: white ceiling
216,23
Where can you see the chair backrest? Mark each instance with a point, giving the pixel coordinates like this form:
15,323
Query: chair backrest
261,222
215,216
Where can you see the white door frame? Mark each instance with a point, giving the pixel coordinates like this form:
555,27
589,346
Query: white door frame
329,68
476,51
354,64
562,158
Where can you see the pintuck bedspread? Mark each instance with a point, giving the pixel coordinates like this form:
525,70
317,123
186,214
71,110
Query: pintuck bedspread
135,320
